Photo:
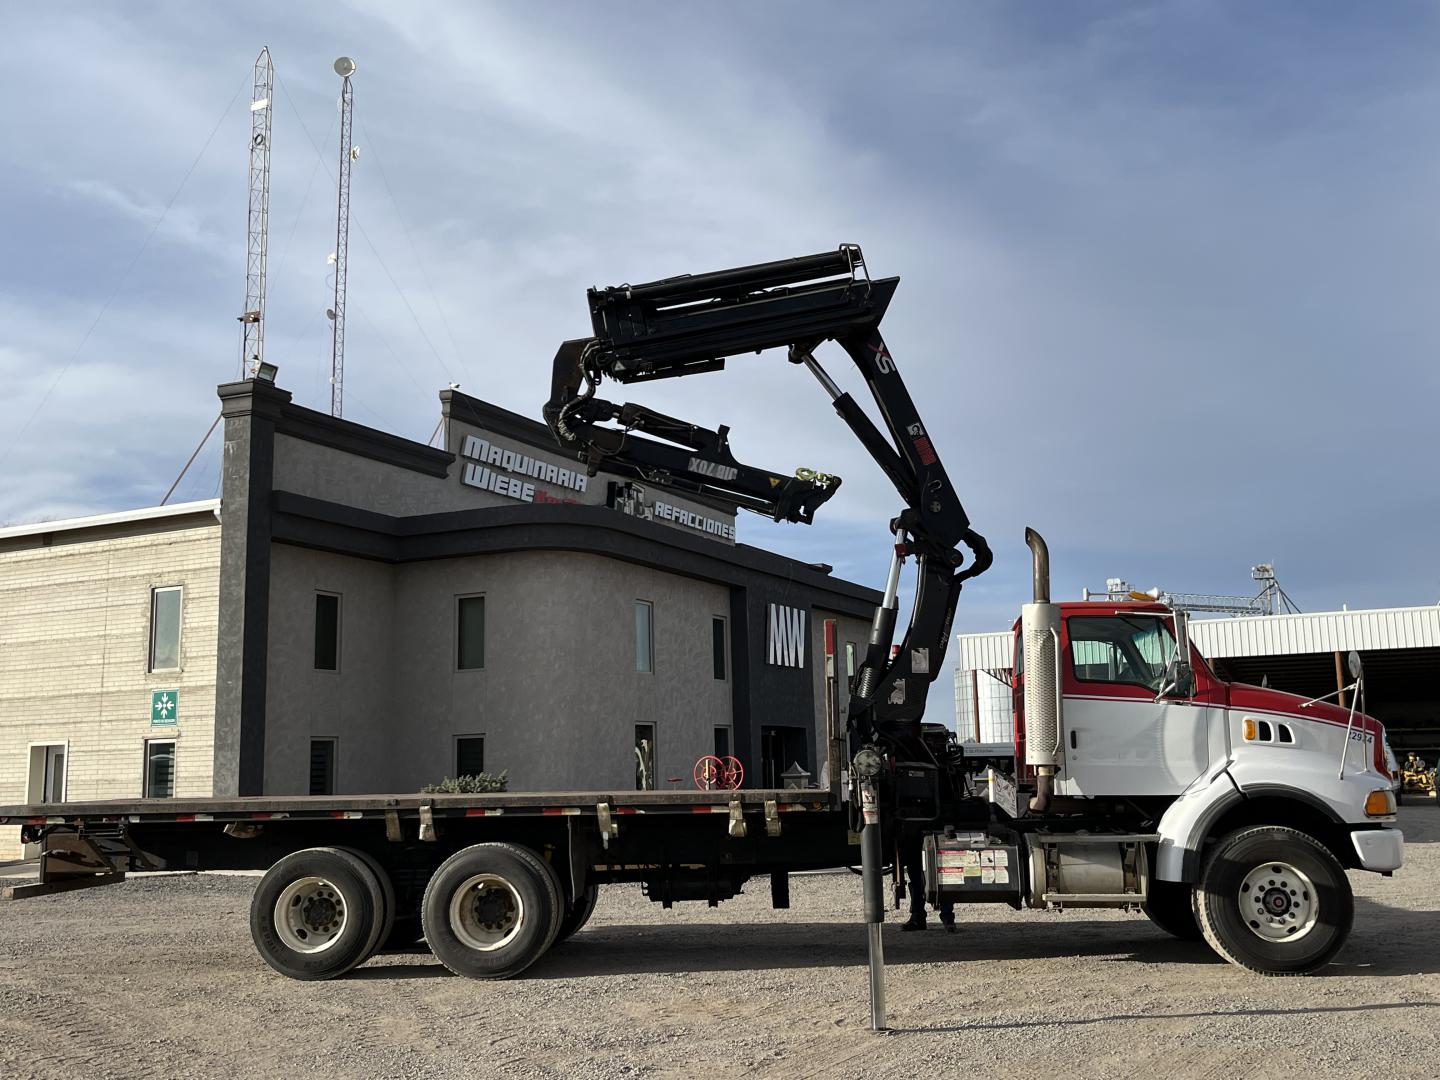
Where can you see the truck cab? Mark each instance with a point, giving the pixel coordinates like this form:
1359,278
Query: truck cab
1129,710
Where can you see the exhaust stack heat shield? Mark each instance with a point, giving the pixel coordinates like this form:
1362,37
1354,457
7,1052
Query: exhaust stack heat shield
1040,638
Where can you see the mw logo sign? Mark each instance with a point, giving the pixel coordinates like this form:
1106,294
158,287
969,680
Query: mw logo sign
787,636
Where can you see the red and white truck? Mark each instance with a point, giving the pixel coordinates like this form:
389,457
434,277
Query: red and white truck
1138,778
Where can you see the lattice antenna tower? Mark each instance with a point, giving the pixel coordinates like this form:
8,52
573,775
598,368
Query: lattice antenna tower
344,67
257,244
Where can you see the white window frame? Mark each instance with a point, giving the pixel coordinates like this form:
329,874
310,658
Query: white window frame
145,767
155,591
30,749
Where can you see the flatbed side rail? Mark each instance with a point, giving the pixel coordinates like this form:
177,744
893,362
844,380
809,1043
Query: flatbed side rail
359,807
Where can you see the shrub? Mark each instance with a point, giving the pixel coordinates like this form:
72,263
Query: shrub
479,784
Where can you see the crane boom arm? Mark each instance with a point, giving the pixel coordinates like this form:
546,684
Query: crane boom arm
691,324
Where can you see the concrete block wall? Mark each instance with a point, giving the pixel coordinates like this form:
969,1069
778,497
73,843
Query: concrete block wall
74,653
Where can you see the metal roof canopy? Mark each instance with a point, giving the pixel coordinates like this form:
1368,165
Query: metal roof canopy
1324,632
1319,632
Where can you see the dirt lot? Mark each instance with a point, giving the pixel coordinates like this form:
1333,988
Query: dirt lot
157,978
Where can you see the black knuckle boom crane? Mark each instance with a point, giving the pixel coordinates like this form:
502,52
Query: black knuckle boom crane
690,324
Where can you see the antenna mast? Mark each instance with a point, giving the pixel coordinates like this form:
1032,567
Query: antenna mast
344,67
252,322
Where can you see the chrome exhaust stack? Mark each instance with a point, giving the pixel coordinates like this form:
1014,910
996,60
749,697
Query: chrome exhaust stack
1040,642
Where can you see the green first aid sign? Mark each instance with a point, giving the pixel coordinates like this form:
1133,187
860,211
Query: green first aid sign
164,707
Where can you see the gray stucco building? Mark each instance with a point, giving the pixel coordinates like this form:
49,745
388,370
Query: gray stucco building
362,613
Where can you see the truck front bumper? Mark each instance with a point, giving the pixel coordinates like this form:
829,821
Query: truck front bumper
1379,849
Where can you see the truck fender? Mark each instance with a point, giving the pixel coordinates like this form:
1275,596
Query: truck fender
1188,820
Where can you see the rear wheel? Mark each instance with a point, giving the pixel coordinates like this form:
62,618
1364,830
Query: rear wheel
1170,907
557,891
490,911
316,913
385,920
579,913
1274,900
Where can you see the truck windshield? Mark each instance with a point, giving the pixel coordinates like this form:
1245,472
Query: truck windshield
1132,649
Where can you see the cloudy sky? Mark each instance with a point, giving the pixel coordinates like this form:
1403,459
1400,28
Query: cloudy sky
1168,269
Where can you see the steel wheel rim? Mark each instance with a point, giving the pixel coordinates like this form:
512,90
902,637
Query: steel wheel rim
310,915
486,912
1278,903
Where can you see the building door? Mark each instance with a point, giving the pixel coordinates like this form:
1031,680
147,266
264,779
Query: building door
47,774
781,747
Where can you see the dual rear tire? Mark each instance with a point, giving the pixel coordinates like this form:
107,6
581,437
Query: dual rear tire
488,912
492,910
318,913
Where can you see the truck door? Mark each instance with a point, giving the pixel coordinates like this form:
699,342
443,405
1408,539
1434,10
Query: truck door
1118,739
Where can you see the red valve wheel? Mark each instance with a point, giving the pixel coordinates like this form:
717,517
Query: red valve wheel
733,774
709,771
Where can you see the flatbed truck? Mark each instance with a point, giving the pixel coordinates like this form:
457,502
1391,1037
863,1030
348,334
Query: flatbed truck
1137,779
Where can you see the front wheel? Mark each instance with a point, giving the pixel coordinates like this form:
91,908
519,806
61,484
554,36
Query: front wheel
1274,900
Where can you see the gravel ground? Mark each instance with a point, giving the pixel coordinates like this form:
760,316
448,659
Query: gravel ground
157,978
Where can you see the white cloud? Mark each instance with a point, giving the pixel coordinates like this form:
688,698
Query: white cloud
180,224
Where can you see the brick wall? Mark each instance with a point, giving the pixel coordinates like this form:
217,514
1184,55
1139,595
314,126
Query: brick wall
74,654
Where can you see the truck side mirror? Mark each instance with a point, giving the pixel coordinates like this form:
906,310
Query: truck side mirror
1179,680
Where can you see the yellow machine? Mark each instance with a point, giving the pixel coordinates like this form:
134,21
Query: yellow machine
1417,780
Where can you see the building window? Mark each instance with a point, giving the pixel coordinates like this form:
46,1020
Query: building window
644,757
322,766
644,636
722,742
849,659
159,768
327,632
165,628
717,635
470,632
47,774
469,755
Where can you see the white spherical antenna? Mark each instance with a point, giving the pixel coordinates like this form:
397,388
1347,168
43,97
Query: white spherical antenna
345,67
